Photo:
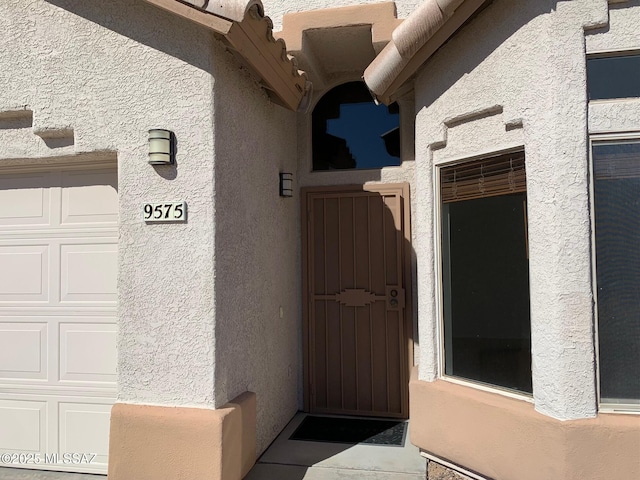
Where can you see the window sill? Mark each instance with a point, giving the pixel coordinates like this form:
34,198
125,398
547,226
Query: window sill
489,388
608,409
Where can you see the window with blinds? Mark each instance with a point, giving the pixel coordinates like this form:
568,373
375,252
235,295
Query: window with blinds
485,272
616,169
484,178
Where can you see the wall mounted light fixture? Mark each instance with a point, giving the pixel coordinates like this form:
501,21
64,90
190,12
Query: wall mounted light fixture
286,184
161,143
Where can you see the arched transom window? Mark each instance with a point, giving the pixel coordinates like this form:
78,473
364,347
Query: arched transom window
351,132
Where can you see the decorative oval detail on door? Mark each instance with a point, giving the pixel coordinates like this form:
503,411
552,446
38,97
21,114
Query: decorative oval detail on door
356,297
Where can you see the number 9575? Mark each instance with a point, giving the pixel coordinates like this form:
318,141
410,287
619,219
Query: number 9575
165,212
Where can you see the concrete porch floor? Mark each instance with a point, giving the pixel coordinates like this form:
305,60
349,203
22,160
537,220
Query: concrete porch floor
302,460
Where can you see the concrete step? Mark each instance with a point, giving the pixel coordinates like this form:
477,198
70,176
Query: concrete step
272,471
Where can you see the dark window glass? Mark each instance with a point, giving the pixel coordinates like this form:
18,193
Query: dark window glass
487,331
613,77
351,131
617,226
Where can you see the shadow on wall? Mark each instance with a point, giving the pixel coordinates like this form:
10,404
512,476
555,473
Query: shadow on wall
161,30
624,4
257,259
505,15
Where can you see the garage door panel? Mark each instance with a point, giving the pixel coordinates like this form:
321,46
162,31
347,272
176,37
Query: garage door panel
90,197
89,273
25,199
88,352
24,426
25,271
84,428
23,350
58,300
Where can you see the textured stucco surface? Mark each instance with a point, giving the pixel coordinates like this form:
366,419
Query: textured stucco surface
257,252
150,442
622,33
199,303
192,331
502,438
110,71
516,75
275,9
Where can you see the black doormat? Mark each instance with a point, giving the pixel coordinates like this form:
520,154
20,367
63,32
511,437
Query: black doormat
351,430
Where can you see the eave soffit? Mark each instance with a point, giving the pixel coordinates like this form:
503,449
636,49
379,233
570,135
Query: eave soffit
248,33
336,44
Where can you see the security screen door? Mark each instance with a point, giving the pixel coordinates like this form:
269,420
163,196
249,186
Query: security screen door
356,328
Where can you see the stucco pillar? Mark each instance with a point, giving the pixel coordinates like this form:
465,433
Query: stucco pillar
562,341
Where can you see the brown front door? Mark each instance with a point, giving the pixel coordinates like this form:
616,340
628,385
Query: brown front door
356,328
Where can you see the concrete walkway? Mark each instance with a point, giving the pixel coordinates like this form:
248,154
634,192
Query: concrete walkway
302,460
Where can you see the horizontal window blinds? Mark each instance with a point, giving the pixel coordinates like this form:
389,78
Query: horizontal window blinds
488,177
616,160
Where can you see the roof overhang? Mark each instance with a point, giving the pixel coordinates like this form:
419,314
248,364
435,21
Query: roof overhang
414,42
338,43
243,27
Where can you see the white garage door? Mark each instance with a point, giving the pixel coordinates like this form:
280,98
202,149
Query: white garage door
58,269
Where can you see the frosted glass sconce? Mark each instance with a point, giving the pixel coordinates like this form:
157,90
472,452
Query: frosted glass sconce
160,147
286,184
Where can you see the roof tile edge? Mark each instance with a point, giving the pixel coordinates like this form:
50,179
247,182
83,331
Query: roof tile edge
286,85
413,42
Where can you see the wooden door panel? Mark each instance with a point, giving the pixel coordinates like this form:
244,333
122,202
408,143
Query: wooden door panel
357,336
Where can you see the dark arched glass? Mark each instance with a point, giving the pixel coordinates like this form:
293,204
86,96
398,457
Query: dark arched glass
351,131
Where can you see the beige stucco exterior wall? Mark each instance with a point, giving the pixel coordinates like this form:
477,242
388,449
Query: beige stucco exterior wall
502,439
151,442
277,8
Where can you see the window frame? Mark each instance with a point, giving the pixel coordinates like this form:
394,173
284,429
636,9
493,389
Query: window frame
595,139
439,280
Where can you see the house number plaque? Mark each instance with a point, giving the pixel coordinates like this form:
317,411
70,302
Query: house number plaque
164,212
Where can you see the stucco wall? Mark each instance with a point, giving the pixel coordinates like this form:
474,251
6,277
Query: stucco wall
257,268
110,71
621,34
199,307
516,76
